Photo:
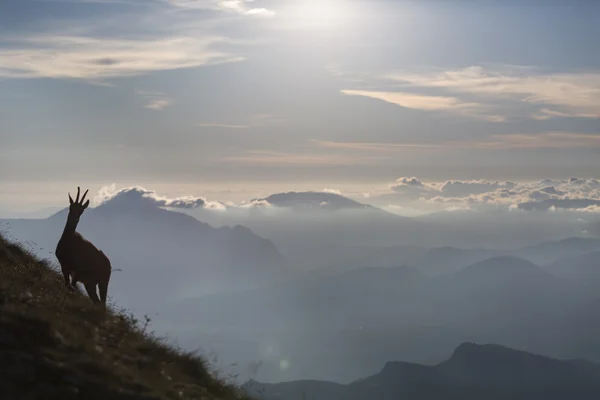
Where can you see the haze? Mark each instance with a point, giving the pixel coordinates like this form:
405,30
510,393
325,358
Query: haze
315,188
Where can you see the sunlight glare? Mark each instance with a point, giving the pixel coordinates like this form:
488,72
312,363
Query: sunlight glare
323,14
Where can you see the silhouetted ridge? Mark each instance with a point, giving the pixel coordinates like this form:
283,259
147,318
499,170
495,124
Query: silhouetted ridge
490,363
404,370
473,372
469,353
502,267
584,267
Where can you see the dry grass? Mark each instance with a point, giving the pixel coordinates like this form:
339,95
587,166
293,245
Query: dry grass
68,343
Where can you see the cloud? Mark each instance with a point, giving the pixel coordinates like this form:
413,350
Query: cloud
545,113
333,191
546,140
259,157
572,194
217,125
543,140
137,196
428,103
409,196
155,100
372,146
572,94
412,188
467,188
94,58
255,203
238,6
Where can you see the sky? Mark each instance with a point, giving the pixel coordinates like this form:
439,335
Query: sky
232,99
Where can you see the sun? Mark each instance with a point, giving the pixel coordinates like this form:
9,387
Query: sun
323,14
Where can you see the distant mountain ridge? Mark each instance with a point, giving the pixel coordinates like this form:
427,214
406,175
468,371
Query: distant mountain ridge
371,313
584,268
472,372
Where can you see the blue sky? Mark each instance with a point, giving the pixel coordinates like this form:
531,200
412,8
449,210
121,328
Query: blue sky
284,94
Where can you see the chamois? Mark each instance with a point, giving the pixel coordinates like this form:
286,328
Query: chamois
79,259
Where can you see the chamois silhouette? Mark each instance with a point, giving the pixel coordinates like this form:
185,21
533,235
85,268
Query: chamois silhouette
79,259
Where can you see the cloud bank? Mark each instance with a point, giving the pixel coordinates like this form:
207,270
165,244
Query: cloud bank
244,7
574,194
96,58
492,93
163,35
548,194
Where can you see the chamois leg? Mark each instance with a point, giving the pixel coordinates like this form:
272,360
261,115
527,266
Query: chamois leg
103,288
68,284
90,288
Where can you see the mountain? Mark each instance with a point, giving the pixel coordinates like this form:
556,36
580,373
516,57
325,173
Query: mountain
310,228
550,251
472,372
439,260
584,269
447,259
315,200
339,326
500,293
444,260
161,251
501,270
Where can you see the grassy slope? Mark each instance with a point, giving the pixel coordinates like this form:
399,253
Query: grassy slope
57,345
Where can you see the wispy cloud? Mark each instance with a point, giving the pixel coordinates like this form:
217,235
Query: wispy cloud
545,113
416,101
238,6
556,140
225,126
572,94
546,140
109,2
93,58
428,103
258,157
155,100
372,146
244,7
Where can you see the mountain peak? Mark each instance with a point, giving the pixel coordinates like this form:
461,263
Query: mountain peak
494,363
475,353
310,199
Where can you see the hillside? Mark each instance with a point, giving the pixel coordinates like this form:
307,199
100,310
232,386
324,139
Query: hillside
56,345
